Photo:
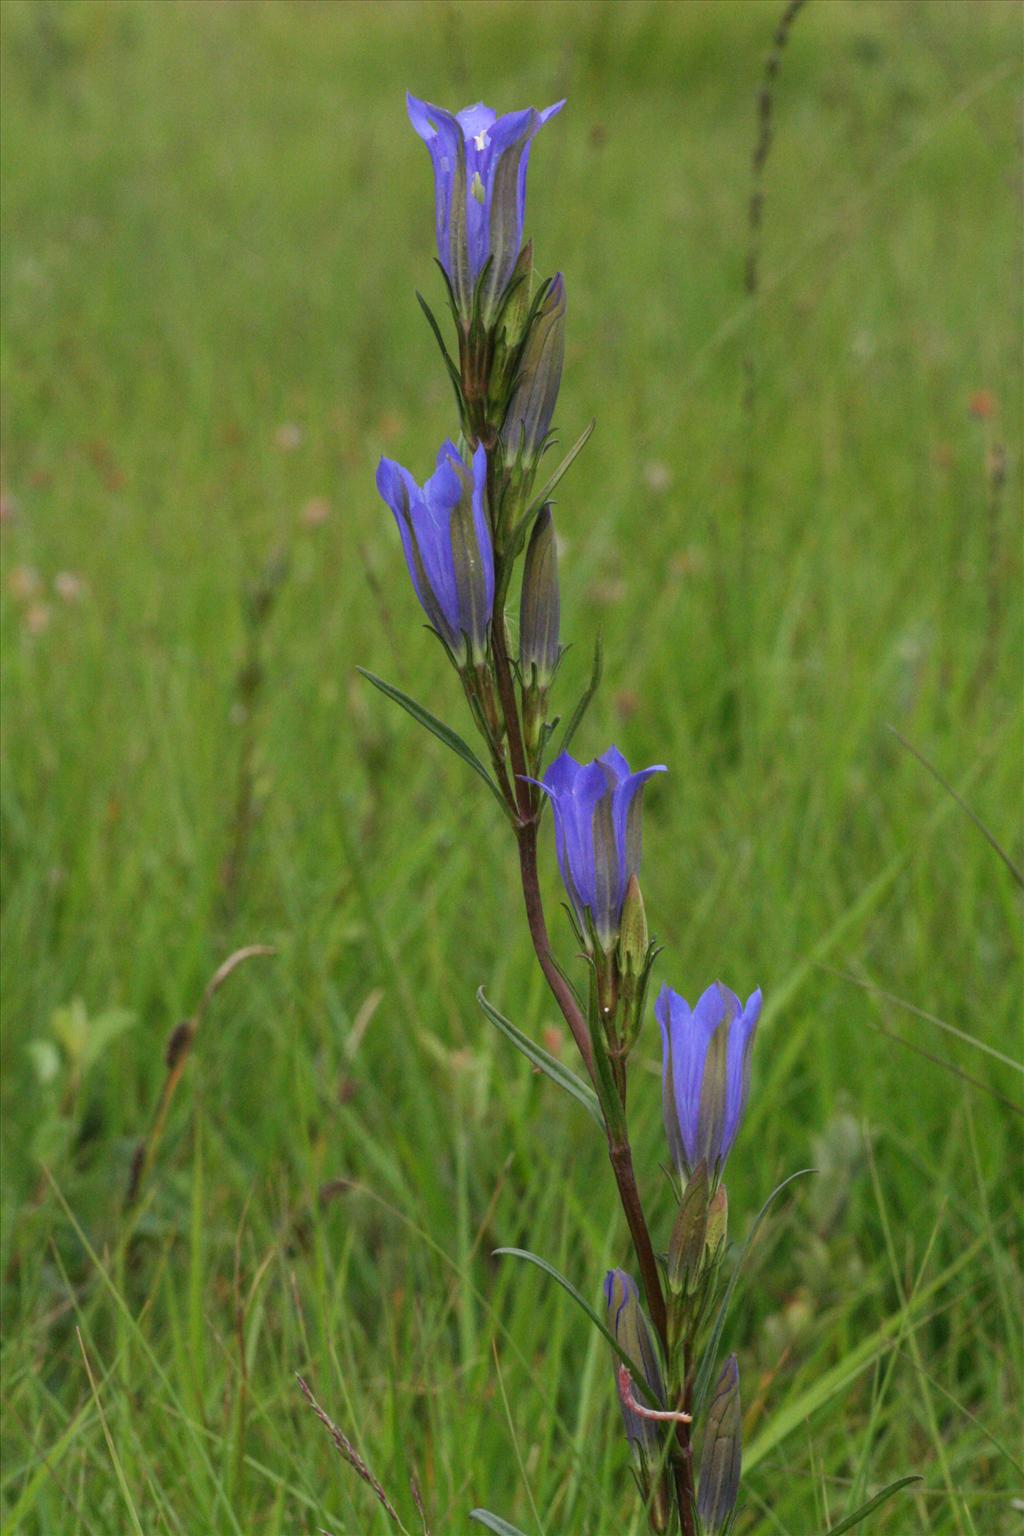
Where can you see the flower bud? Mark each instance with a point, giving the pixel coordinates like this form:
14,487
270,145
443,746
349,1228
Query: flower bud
722,1453
635,958
718,1223
628,1325
510,330
528,419
539,606
687,1244
634,941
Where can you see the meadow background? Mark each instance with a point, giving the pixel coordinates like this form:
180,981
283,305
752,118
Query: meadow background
214,218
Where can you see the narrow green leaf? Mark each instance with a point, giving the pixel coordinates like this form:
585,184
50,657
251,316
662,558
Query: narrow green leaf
449,291
639,1380
453,372
566,464
707,1365
578,713
525,523
495,1523
563,1076
848,1523
437,728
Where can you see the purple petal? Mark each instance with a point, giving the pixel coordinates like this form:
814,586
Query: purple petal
663,1013
691,1035
579,829
616,763
560,775
506,136
741,1041
443,136
481,522
392,480
475,120
626,812
542,118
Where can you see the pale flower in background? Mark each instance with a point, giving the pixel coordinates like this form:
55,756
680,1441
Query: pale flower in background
23,582
69,587
37,618
316,511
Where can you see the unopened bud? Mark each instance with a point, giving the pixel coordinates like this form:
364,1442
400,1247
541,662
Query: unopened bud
528,419
510,330
634,940
686,1246
517,305
718,1222
722,1453
635,958
628,1325
539,608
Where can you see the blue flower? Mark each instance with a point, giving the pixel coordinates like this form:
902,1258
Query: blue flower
480,163
597,835
628,1325
447,543
706,1065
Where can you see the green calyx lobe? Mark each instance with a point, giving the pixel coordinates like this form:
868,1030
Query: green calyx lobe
687,1245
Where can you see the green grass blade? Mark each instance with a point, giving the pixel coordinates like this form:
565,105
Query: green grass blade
1015,871
495,1523
795,1414
849,1521
707,1365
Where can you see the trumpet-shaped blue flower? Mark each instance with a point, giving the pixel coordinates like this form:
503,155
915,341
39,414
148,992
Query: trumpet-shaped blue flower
597,810
480,163
447,543
705,1073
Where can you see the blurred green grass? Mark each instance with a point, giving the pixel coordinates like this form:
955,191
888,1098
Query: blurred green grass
215,217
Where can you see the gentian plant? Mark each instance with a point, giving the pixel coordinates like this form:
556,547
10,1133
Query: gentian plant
465,533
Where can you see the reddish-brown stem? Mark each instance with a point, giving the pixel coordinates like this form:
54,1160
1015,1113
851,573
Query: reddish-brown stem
683,1460
683,1473
526,836
507,694
619,1151
622,1166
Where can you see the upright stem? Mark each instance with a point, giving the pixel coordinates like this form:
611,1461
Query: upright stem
619,1150
526,836
621,1157
683,1461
